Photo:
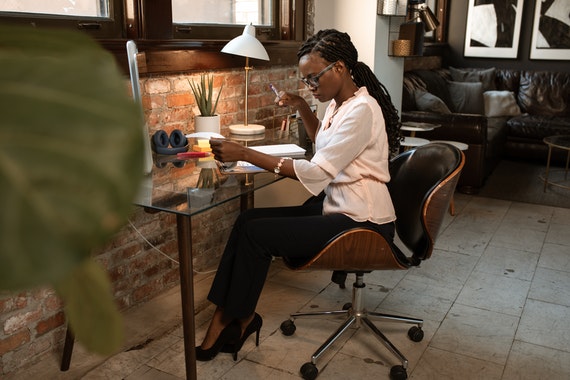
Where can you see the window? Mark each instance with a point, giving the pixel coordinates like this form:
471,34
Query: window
165,20
240,12
215,19
171,31
100,18
93,8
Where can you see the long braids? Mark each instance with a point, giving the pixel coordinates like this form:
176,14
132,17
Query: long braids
334,46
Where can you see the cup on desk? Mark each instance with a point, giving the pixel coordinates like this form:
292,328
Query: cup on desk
200,197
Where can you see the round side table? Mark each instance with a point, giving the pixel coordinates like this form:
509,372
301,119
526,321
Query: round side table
414,126
410,142
459,145
559,142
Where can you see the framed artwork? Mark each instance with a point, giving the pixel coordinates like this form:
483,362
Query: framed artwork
551,30
493,28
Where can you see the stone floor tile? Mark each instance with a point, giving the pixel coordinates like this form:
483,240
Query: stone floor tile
476,333
545,324
508,262
514,237
551,286
493,292
438,364
554,256
532,362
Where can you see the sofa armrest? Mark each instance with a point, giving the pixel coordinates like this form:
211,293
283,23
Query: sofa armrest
467,128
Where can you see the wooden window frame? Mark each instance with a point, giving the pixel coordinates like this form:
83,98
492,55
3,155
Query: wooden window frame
149,24
98,27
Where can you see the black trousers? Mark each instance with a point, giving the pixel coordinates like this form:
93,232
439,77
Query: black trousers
258,235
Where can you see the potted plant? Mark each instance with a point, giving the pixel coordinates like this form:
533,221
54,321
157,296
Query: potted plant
203,91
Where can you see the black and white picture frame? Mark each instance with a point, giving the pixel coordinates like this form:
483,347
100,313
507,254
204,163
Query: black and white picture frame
493,28
551,30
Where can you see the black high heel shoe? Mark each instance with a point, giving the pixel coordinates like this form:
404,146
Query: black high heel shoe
229,336
254,326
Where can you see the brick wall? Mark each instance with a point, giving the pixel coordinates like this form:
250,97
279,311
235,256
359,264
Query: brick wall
32,323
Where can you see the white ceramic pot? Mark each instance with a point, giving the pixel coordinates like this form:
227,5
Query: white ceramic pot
207,124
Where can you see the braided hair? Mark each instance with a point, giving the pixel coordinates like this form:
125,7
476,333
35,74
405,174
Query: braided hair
333,46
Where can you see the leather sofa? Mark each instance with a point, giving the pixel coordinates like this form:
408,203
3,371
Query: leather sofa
499,113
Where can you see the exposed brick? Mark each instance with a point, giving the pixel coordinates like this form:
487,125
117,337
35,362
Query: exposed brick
182,84
177,100
157,86
180,114
52,303
13,302
21,320
50,323
144,292
14,341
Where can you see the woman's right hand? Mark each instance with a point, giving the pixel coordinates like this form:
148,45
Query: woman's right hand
288,99
226,151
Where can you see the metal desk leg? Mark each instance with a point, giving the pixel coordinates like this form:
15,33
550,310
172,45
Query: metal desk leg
67,349
567,164
246,198
547,167
184,231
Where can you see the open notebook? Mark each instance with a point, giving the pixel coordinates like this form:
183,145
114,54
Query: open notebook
279,150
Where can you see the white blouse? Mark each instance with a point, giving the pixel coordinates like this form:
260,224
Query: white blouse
351,161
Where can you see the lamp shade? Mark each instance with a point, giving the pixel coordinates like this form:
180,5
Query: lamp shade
246,45
418,11
428,18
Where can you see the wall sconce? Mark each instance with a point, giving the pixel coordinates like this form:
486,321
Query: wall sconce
419,20
418,11
246,46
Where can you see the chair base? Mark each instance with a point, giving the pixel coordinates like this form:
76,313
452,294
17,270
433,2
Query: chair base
356,315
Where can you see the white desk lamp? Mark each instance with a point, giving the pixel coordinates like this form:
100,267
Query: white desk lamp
246,46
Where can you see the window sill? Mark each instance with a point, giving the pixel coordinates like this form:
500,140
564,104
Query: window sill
171,56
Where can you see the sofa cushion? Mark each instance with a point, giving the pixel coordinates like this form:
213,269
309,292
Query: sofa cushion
466,97
429,102
486,77
544,93
500,103
508,80
538,127
435,84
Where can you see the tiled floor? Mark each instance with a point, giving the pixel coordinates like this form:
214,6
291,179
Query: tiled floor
495,297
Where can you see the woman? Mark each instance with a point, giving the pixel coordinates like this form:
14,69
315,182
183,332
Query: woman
353,143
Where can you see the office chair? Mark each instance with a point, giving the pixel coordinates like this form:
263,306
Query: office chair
422,185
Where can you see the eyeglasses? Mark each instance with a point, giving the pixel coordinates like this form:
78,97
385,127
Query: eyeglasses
313,81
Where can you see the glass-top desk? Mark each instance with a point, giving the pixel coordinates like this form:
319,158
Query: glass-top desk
174,187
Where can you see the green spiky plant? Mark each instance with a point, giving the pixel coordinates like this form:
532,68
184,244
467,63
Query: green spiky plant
203,93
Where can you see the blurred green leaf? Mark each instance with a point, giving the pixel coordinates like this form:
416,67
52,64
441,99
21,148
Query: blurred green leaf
71,156
90,308
71,152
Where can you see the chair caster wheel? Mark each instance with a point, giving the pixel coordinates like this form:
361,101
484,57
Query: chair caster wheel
398,372
288,327
347,306
309,371
416,333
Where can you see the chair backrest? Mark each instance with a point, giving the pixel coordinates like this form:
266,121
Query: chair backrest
132,58
422,186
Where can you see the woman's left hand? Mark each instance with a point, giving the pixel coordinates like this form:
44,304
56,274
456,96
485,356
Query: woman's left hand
226,151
